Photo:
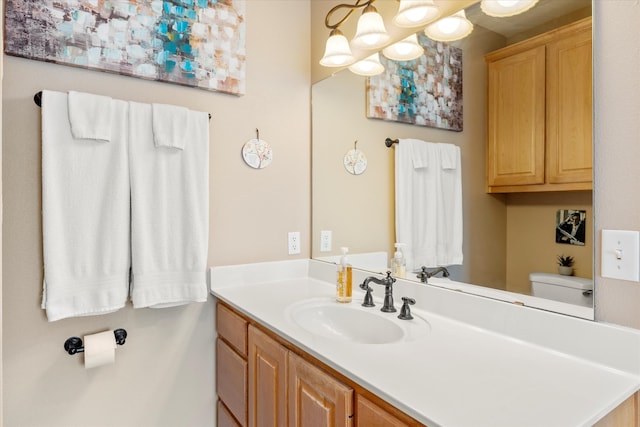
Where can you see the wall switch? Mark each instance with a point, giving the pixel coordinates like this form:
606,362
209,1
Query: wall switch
294,242
325,241
621,254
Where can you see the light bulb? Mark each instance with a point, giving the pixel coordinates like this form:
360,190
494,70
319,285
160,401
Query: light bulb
449,25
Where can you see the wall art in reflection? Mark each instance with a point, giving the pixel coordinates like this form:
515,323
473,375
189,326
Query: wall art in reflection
199,43
426,91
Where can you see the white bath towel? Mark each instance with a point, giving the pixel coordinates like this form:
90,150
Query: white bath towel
169,212
429,203
90,116
85,214
169,125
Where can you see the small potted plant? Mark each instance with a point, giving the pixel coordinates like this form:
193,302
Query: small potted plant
565,265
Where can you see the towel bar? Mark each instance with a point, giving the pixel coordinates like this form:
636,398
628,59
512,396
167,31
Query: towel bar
74,345
37,98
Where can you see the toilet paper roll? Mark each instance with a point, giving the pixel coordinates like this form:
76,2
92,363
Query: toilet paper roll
99,349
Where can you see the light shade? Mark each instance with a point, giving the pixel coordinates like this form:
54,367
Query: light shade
337,52
454,27
370,33
504,8
369,66
414,13
404,50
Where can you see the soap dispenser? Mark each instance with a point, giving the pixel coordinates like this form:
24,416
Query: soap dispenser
344,284
399,263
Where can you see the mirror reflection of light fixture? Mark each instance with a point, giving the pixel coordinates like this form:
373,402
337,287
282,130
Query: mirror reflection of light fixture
369,66
370,32
451,28
337,52
414,13
404,50
504,8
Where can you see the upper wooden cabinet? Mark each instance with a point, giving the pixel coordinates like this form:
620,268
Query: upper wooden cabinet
539,113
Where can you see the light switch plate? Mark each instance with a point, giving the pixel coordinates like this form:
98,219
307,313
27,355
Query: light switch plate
621,254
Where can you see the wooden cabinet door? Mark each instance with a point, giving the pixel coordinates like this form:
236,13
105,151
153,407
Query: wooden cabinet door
516,119
267,381
231,381
315,398
569,107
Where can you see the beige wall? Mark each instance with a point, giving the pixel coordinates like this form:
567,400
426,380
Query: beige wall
164,374
617,109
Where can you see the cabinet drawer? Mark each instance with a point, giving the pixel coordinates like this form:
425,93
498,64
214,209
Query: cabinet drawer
368,414
224,417
233,328
231,381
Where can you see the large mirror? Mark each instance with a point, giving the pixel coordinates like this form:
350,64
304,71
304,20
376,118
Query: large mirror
506,236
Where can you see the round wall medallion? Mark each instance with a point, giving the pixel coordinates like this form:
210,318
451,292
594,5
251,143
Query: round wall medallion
355,162
257,153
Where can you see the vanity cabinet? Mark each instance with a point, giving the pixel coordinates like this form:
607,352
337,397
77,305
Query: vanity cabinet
280,385
539,113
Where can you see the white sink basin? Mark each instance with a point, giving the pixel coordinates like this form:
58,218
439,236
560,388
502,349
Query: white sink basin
353,323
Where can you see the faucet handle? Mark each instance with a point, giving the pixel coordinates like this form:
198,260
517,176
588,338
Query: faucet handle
405,311
423,275
368,299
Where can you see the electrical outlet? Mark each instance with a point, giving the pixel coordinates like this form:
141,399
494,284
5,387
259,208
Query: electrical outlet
294,242
325,241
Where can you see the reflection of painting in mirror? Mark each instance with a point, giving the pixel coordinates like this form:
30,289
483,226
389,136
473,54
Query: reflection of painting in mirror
426,91
571,226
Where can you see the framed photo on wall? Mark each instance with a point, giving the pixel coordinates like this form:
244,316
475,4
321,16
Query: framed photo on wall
571,226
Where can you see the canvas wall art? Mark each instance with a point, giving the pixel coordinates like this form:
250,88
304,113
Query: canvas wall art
199,43
426,91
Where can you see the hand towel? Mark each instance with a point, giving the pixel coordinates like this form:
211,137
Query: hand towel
169,125
85,214
169,212
428,203
90,116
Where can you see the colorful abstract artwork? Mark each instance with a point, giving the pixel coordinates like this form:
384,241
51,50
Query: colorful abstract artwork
426,91
199,43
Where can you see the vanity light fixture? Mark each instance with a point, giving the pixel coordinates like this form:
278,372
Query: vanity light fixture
337,52
451,28
369,66
370,32
415,13
504,8
404,50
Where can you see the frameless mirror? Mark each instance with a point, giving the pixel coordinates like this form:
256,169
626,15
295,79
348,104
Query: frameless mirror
505,236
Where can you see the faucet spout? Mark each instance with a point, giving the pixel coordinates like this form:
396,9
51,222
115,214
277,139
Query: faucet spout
387,282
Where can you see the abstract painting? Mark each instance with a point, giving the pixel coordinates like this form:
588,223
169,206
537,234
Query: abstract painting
426,91
198,43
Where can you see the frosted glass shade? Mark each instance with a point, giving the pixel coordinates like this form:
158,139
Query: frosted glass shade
454,27
404,50
414,13
369,66
370,32
337,52
504,8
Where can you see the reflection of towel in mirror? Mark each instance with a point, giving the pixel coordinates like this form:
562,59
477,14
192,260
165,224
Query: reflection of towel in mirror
428,182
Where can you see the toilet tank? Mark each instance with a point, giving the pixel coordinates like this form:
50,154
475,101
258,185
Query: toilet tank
568,289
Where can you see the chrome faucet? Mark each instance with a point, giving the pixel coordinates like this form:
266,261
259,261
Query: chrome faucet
424,274
387,282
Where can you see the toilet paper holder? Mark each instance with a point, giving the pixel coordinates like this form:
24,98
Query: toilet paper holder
74,345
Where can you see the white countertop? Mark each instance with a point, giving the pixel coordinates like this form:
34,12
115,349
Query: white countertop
461,372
